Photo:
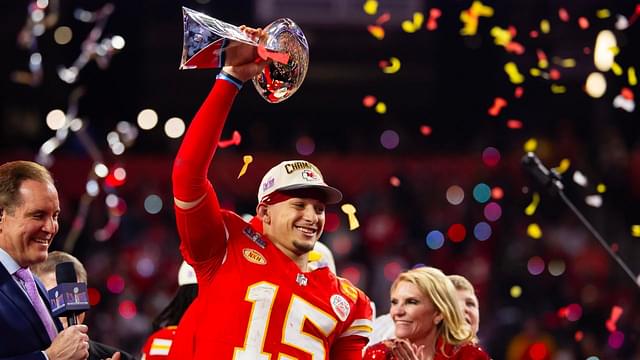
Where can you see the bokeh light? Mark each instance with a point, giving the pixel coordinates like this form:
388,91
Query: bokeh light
147,119
455,195
92,188
492,211
111,200
174,127
145,267
305,145
497,193
491,156
115,284
574,312
118,42
153,204
535,265
94,296
482,193
616,339
119,174
482,231
101,170
538,351
389,139
62,35
56,119
556,267
596,85
128,309
603,53
435,240
456,232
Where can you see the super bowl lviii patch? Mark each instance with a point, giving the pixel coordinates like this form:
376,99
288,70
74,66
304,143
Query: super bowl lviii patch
254,236
340,306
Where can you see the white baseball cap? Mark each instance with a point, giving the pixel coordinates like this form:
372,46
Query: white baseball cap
186,275
294,175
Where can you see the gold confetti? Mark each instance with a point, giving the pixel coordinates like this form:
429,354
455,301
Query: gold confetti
535,72
370,7
563,167
350,210
470,17
377,31
534,231
616,69
558,89
568,63
531,145
515,291
631,75
531,208
381,108
393,67
545,26
501,36
514,75
603,13
601,188
635,231
248,159
412,26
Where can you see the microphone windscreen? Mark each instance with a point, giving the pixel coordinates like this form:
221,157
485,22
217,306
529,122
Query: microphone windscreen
66,273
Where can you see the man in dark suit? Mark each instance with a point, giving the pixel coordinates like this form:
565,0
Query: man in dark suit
29,209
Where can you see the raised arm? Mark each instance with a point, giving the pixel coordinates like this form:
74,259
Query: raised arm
198,216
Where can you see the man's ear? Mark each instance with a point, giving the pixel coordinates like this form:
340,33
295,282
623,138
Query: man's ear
262,212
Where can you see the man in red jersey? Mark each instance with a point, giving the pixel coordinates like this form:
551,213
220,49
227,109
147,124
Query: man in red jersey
258,299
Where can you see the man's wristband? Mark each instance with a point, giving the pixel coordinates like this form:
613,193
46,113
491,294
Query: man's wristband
232,79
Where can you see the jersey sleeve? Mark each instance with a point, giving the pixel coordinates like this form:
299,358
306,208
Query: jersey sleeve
356,335
348,348
201,228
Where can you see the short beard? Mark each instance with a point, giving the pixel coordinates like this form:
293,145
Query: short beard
303,247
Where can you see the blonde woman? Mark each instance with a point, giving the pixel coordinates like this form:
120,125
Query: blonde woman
428,320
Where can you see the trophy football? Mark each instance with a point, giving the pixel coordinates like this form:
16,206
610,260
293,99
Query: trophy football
285,47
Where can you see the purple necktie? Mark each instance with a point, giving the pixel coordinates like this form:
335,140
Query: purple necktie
25,275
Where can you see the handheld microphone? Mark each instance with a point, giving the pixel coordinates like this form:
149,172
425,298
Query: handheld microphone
70,297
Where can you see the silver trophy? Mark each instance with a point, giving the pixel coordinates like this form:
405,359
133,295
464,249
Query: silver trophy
285,47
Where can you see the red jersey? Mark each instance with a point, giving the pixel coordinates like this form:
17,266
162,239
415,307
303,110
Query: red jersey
382,351
159,343
259,305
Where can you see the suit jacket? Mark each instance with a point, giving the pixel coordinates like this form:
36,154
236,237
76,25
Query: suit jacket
22,334
98,351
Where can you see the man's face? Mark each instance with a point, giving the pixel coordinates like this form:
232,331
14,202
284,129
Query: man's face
27,233
470,309
295,224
